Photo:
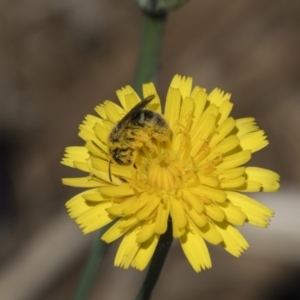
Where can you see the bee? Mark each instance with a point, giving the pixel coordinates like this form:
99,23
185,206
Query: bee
140,127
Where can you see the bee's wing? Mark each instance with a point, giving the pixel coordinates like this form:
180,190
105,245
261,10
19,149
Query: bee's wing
136,108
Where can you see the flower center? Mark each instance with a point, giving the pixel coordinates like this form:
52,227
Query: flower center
165,173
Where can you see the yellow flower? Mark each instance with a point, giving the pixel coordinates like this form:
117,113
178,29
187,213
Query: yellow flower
196,180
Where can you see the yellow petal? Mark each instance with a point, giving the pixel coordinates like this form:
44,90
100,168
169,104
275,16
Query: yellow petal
101,132
127,249
199,219
250,186
187,110
77,205
243,121
193,201
93,196
200,99
89,121
246,125
115,231
233,183
77,153
177,212
254,141
200,123
267,178
82,166
116,191
234,160
75,157
146,232
218,97
89,145
128,102
195,250
145,253
82,182
224,112
257,213
121,171
210,233
99,168
129,223
233,242
131,101
177,231
222,131
137,204
95,218
89,135
185,86
118,208
203,132
173,104
231,173
113,111
209,193
215,212
225,146
149,90
233,213
162,217
210,181
196,89
148,209
175,82
101,111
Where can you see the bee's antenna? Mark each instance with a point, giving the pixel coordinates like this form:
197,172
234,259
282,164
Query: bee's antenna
109,171
149,98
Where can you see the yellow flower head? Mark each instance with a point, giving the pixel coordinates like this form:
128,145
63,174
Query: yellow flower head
185,166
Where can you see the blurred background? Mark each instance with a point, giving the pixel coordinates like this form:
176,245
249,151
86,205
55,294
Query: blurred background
60,58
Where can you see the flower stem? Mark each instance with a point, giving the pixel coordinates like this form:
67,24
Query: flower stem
92,266
156,264
148,60
152,32
147,66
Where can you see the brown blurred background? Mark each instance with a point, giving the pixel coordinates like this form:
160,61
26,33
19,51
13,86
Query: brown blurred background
60,58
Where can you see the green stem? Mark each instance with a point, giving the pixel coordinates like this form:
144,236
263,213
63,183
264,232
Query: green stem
148,63
92,266
148,60
153,27
156,264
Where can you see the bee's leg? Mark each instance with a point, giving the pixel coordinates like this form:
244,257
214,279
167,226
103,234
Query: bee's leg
135,158
109,171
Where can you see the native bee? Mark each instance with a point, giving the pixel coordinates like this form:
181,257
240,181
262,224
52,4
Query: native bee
140,127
